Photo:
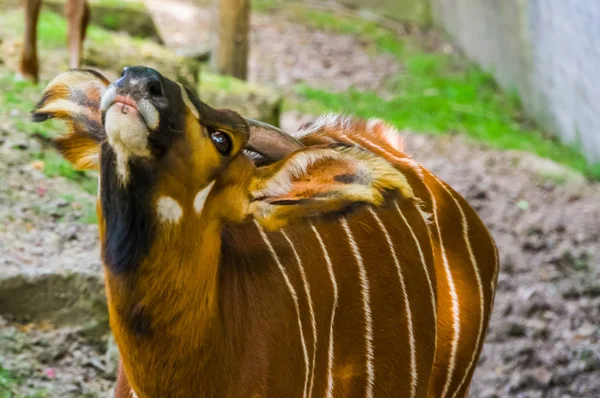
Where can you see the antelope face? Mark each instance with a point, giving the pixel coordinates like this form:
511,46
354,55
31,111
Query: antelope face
155,124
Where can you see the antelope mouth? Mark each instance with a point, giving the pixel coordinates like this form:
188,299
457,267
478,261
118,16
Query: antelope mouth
127,105
128,121
142,107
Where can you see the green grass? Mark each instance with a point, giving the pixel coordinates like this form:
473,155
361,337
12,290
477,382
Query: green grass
136,5
436,93
263,5
52,29
9,383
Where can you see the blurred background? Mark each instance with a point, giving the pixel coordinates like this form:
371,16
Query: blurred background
501,99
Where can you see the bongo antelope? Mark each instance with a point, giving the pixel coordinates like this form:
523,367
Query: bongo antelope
78,16
244,262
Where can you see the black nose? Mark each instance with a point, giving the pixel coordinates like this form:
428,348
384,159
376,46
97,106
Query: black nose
140,81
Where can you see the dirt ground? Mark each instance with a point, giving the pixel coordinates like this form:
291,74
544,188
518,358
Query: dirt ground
544,337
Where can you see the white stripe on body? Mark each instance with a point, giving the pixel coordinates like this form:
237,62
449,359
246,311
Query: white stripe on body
414,376
454,298
465,230
313,320
330,384
366,297
423,262
294,295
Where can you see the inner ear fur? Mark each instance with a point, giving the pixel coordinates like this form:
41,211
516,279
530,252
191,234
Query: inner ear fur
74,97
318,181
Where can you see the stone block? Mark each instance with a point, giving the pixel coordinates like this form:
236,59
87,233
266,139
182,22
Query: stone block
59,297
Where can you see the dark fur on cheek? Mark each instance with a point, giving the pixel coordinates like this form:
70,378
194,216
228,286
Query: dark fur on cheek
130,224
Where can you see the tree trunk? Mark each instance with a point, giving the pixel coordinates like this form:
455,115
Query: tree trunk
231,52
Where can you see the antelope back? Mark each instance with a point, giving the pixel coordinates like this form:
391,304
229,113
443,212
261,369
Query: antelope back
387,300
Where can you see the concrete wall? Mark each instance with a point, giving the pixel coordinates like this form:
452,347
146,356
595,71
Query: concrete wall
548,50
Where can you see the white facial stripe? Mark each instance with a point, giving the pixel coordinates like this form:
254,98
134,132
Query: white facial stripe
149,113
108,98
313,320
414,376
294,295
366,297
168,210
188,102
201,196
333,309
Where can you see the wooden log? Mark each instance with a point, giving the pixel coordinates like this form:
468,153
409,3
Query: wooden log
231,53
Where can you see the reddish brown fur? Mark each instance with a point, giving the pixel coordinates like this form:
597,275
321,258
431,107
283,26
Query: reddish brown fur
78,15
427,187
214,315
250,288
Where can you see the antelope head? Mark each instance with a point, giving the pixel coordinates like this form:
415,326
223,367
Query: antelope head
166,159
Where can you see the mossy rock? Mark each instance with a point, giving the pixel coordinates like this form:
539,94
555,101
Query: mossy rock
130,17
249,100
118,51
61,298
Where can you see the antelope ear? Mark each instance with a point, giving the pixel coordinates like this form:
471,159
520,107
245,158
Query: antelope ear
317,181
75,97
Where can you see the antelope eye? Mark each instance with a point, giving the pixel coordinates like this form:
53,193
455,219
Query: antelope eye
222,142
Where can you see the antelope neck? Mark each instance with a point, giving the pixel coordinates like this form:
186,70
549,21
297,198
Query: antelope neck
129,221
164,315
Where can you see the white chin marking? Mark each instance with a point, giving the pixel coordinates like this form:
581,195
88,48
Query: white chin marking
127,129
128,136
168,210
200,198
